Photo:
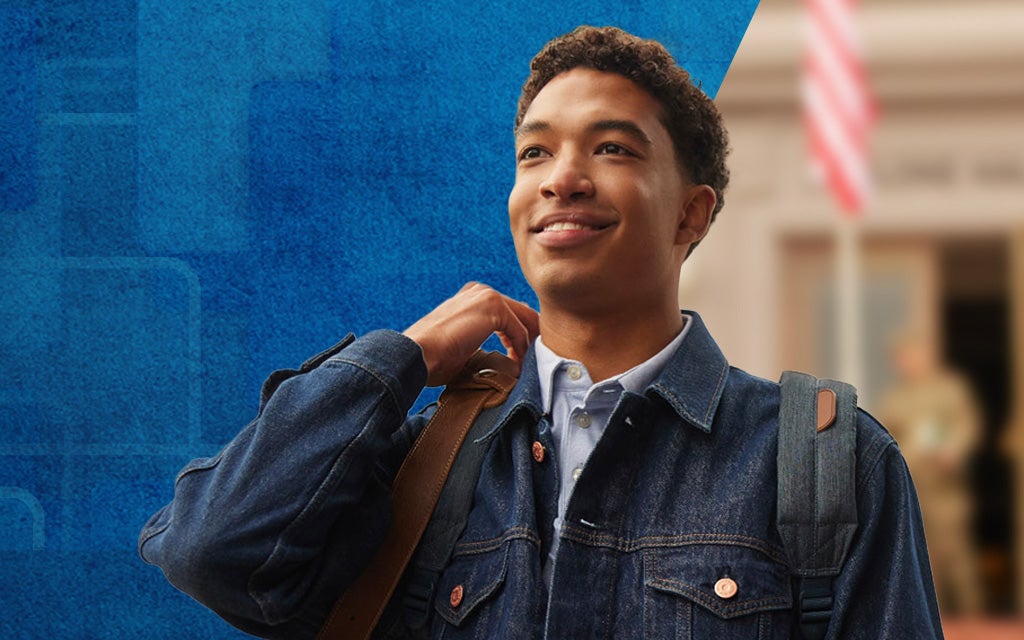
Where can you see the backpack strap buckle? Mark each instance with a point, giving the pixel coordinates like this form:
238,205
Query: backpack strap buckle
418,596
815,602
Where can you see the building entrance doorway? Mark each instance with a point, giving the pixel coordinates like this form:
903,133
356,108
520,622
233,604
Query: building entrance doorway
976,340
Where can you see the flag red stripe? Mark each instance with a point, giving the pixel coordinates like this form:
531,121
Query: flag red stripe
838,109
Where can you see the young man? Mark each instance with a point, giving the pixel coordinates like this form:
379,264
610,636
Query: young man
629,485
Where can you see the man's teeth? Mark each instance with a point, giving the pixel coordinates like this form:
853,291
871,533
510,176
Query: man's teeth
565,226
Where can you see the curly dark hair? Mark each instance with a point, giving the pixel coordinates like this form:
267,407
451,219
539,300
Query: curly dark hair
691,118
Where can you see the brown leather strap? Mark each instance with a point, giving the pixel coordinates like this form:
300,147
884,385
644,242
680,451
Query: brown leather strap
484,382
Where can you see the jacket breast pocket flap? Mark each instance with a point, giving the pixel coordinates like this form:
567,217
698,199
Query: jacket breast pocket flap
729,580
469,581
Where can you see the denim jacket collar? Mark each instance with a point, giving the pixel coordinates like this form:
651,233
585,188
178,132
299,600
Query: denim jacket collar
524,397
691,382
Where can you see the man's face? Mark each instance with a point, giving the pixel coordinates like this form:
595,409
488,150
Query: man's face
598,201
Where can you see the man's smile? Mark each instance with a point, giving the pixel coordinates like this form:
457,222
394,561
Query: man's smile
564,226
566,231
575,221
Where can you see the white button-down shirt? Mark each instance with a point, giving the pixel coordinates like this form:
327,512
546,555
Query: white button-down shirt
579,410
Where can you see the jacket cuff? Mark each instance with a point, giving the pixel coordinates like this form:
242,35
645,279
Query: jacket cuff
390,357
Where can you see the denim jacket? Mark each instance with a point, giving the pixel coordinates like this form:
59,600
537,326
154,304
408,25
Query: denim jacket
678,496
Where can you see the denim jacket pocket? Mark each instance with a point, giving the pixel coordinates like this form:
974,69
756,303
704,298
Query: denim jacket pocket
469,582
716,591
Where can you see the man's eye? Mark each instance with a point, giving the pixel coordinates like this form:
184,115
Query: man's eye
610,148
531,153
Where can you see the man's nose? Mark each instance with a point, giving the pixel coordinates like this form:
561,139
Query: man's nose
569,178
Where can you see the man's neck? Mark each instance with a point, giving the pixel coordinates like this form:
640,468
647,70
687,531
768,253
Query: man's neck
609,344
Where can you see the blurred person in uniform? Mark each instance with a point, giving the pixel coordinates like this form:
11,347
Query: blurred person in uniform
932,413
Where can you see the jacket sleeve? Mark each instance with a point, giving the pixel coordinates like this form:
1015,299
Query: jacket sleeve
269,531
885,590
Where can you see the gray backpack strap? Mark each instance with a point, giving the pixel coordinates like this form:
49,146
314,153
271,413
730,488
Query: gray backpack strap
817,501
445,526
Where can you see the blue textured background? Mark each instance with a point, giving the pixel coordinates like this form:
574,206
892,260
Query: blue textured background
196,192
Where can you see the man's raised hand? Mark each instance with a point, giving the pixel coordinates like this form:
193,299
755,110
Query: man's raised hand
453,331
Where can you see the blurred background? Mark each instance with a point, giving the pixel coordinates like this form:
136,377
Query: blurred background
938,328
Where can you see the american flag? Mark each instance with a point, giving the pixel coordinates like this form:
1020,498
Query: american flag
838,108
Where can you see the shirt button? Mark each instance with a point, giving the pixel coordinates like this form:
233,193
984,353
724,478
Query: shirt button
538,451
576,473
726,588
455,599
574,371
582,419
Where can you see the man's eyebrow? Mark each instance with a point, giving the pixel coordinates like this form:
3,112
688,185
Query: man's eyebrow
628,127
531,127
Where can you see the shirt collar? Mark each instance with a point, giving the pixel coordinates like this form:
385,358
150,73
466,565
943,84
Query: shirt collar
635,380
691,382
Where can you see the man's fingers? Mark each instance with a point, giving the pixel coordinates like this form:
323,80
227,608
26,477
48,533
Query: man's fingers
529,317
450,334
518,328
514,337
510,348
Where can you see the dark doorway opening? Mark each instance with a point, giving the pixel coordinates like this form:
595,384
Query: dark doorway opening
977,342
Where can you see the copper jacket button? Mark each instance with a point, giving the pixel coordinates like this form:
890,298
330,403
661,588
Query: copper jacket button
726,588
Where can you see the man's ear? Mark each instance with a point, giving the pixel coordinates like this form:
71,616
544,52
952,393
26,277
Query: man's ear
698,205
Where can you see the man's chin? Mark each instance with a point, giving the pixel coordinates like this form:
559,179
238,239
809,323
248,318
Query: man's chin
572,292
